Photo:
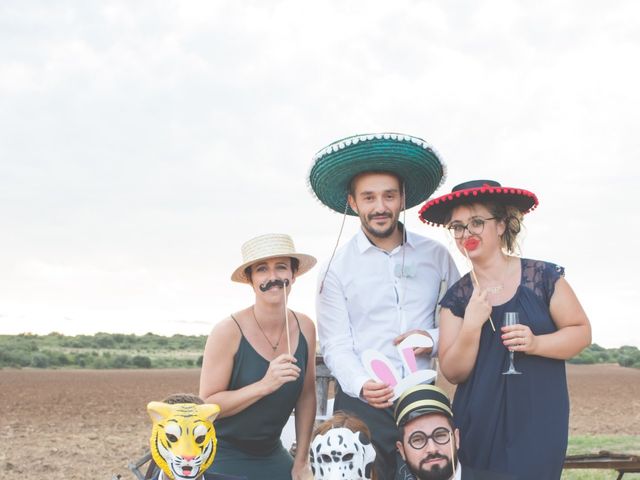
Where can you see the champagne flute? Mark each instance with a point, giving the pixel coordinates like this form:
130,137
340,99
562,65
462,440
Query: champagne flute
511,318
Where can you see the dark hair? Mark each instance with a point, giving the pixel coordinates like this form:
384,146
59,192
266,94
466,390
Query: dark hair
508,214
183,398
352,183
295,264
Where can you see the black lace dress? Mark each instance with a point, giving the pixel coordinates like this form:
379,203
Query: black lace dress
514,423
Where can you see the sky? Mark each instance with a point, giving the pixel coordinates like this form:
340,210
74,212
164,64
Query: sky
143,142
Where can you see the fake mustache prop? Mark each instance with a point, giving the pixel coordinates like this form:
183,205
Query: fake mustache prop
274,283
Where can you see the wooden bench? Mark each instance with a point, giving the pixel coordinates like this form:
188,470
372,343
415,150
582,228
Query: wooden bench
620,462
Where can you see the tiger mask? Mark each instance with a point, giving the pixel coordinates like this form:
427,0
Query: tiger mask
183,439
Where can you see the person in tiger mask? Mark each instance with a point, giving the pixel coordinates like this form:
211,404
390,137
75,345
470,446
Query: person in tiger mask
183,439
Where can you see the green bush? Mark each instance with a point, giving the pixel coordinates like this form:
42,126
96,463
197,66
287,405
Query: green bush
14,358
629,356
121,361
104,340
63,359
39,360
141,361
99,363
585,358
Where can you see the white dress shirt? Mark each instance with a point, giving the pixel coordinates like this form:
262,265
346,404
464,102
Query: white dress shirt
365,302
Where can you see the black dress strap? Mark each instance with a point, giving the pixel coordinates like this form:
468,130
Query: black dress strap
239,328
297,321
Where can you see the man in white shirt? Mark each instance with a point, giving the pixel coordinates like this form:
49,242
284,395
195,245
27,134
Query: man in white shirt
384,283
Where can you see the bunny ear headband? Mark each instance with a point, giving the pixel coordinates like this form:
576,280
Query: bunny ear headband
379,367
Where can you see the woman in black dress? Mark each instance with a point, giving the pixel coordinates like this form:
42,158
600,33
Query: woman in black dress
248,371
516,424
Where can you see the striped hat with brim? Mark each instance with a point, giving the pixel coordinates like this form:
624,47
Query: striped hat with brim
271,245
421,400
412,159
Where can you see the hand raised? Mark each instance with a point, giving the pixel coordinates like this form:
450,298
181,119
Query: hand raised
418,350
377,394
478,309
282,369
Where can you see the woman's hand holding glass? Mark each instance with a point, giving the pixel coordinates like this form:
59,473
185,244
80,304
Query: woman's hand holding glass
518,338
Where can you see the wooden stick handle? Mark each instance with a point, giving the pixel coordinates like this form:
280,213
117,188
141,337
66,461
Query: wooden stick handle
286,315
475,278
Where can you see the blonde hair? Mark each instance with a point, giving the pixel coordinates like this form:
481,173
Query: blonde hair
512,218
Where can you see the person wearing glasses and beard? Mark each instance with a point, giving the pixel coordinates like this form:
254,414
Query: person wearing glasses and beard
428,440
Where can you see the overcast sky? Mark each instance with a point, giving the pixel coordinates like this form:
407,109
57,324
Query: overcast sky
143,142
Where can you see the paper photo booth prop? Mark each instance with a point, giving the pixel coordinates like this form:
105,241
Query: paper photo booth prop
183,439
380,368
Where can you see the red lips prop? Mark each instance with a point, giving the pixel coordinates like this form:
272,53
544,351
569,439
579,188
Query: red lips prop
471,244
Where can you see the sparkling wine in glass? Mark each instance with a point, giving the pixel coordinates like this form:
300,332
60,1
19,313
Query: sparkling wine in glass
511,318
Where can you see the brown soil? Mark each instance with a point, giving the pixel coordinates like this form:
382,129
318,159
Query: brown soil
78,424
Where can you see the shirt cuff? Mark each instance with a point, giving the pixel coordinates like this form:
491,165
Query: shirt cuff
355,388
435,336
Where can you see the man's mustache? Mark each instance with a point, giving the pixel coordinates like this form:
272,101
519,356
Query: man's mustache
274,283
433,456
371,216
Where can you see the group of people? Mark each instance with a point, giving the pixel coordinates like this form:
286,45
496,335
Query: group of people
384,284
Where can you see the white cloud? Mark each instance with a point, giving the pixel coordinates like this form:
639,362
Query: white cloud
143,143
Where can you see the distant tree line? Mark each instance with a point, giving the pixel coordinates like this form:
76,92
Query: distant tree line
118,350
626,356
101,351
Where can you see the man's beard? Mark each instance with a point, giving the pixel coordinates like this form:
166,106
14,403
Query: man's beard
436,472
379,233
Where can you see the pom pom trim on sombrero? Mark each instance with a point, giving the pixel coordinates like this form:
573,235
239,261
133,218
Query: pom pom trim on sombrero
411,158
435,210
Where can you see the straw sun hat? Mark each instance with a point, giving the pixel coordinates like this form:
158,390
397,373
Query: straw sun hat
434,211
271,245
411,158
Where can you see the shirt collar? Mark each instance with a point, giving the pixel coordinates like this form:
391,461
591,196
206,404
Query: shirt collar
365,244
458,475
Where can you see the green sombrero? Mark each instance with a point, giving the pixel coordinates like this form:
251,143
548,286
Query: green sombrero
411,158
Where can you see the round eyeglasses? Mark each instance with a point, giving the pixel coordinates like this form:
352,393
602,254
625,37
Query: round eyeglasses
475,227
419,439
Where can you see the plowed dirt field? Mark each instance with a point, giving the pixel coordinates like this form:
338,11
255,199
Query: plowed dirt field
87,424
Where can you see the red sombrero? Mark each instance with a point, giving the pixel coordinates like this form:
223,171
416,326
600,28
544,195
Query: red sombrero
435,210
